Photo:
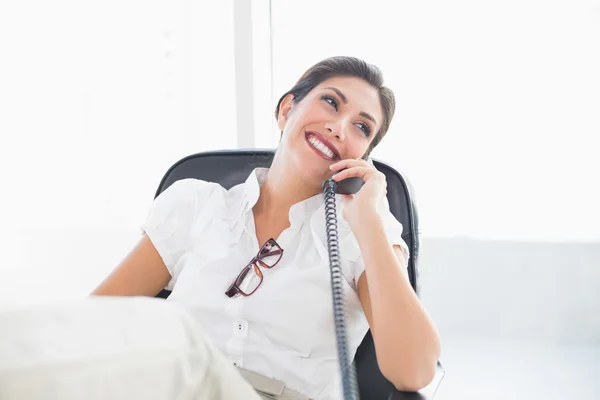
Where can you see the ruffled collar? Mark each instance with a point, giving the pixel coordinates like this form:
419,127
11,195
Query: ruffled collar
298,213
234,206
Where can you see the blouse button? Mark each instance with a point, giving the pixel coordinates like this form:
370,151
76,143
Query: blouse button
241,327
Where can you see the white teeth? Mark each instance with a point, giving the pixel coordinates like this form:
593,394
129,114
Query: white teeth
320,146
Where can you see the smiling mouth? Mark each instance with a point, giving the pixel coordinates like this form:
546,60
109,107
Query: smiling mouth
321,146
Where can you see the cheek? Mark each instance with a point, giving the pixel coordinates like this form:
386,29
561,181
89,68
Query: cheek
314,112
355,150
301,118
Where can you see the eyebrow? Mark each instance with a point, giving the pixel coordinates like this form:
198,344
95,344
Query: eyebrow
345,100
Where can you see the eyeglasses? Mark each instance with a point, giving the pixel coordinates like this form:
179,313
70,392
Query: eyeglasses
251,276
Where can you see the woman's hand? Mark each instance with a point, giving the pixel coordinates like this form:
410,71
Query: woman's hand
367,199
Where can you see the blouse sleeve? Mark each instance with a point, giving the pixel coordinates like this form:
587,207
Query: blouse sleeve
351,250
170,220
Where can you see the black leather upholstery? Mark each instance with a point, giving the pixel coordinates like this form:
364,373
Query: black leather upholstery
232,167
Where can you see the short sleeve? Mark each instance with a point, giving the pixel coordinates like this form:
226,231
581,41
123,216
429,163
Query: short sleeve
393,229
170,220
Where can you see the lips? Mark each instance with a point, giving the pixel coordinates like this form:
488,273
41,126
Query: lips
320,138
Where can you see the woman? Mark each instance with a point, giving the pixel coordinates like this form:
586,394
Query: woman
199,237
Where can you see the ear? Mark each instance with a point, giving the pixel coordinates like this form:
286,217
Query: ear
284,110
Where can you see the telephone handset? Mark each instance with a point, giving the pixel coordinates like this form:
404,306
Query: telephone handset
348,185
347,369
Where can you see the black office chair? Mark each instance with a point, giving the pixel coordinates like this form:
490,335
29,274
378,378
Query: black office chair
232,167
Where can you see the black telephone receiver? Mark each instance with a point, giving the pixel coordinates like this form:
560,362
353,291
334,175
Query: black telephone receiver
348,185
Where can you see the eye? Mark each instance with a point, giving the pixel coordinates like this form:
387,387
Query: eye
331,101
365,128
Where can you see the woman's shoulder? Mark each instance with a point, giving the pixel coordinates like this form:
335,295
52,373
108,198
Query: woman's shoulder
188,193
189,188
193,184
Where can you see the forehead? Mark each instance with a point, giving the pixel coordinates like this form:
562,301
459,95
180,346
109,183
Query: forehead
360,94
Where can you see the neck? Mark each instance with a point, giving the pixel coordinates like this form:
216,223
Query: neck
282,188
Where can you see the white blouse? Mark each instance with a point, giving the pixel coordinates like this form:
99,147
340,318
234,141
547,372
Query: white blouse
206,235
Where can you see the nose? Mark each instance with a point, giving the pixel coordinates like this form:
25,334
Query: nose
336,128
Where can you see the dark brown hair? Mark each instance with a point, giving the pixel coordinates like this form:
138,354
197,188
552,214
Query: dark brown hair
352,67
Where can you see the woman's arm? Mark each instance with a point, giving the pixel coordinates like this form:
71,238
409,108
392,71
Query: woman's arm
141,273
406,341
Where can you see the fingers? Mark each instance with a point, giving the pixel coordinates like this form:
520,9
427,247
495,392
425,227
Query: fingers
349,162
356,168
365,173
361,172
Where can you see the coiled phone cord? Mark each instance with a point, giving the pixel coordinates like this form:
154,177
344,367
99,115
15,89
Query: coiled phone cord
347,369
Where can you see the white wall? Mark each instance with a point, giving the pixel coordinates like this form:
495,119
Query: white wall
540,292
497,105
97,100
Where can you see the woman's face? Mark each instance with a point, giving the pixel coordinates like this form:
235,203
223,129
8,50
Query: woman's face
336,120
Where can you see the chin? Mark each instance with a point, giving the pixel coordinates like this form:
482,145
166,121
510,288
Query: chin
310,166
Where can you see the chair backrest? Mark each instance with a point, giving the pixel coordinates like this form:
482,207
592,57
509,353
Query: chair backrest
232,167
